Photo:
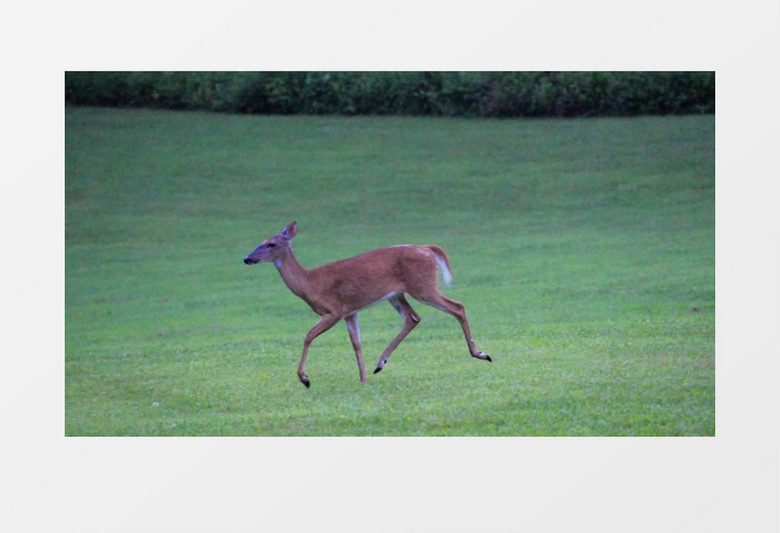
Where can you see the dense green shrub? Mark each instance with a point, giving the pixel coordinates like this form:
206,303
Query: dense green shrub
469,94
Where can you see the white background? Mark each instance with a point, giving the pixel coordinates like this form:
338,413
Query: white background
724,483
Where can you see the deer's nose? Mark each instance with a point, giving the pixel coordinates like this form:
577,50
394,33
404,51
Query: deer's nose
247,261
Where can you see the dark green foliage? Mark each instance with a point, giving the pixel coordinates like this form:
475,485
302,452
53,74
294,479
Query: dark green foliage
456,94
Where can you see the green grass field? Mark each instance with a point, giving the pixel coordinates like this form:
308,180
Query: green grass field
583,250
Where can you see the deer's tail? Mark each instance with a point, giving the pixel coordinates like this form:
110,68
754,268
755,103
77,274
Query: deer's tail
442,260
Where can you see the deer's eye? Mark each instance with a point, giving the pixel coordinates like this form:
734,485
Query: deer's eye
271,244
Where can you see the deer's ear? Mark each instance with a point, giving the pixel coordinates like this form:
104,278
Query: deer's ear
290,231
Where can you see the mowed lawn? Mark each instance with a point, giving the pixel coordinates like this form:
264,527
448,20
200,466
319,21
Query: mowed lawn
583,250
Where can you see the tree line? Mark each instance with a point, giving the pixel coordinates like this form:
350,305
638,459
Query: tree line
448,94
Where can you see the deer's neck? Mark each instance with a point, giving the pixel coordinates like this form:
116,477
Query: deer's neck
293,274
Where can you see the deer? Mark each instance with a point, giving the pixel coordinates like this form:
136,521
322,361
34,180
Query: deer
339,290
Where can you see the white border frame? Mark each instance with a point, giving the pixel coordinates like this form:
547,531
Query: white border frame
725,483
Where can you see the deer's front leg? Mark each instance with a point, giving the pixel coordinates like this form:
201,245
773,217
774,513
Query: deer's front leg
325,323
354,336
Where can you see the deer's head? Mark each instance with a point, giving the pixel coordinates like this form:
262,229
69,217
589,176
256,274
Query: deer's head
274,247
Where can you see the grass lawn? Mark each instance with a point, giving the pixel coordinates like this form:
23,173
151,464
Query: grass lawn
583,250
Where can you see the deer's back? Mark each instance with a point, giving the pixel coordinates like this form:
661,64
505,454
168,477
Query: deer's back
376,275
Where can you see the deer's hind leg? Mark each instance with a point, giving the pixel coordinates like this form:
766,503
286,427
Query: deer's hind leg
411,319
456,309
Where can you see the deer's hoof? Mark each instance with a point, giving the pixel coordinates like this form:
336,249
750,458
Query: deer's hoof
483,355
305,380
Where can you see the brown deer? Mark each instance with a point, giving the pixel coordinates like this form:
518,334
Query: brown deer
343,288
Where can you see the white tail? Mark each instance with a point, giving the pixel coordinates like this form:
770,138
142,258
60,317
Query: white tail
441,260
340,289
